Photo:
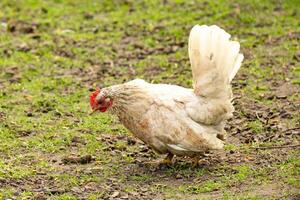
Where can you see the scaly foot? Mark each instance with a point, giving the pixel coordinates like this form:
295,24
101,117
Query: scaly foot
165,162
195,161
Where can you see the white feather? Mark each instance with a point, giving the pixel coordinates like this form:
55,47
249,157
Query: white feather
214,60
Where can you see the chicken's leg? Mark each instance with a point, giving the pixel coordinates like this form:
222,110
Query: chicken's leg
196,159
166,161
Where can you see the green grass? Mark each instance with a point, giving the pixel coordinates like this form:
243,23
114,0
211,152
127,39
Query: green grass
61,49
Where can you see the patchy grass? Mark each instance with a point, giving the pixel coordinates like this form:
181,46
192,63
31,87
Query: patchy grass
52,53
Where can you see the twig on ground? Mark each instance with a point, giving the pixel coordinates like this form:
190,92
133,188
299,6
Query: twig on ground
278,147
291,129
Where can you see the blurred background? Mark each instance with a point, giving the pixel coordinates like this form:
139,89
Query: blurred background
53,53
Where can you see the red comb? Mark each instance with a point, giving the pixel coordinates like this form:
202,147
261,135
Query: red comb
93,96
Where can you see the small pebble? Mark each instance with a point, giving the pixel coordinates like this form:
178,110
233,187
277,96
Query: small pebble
29,114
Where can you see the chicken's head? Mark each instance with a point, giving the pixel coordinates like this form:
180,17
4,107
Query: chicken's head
99,101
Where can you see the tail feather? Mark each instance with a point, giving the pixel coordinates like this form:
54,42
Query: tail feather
237,64
214,59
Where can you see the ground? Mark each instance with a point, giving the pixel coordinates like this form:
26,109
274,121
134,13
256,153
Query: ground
53,53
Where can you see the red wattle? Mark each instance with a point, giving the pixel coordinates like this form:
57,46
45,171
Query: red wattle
93,96
103,109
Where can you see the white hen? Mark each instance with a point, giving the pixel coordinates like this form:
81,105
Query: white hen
175,120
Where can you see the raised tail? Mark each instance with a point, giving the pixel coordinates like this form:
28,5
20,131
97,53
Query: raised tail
215,60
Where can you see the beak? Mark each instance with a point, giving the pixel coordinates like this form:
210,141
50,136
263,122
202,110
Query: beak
91,113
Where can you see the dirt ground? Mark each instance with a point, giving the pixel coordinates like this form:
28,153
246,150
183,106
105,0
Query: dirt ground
53,53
